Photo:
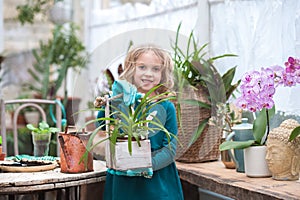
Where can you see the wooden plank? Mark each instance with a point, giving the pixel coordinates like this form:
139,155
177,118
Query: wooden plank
215,177
53,179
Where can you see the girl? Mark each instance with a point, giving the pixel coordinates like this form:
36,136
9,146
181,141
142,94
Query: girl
146,67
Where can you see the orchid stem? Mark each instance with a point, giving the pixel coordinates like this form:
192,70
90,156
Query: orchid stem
268,126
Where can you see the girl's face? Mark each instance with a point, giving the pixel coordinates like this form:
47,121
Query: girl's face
147,72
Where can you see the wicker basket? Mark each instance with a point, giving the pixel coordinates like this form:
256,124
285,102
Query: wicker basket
206,147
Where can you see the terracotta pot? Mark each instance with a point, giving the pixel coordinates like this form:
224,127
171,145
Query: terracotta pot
2,155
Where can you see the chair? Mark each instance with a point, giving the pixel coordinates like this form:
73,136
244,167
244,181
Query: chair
23,104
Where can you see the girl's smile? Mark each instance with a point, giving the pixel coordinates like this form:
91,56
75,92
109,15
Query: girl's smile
147,72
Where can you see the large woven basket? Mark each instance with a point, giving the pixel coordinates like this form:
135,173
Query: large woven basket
206,147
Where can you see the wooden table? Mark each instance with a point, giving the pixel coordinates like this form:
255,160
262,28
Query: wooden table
213,176
64,186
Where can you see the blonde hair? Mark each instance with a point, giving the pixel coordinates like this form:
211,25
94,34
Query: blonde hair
165,58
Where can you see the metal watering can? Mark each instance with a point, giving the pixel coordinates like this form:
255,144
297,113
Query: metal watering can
72,148
241,132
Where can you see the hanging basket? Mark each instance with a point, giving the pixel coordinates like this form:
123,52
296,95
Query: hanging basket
206,147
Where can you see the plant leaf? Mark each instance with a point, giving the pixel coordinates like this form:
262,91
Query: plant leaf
194,102
199,131
260,126
235,145
294,133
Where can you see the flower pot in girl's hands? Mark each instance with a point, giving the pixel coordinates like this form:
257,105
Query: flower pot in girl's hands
118,157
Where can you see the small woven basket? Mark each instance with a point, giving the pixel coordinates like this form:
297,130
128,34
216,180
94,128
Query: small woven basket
206,147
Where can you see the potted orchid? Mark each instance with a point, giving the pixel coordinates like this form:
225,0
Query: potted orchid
258,89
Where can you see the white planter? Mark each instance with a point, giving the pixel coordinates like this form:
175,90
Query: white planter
255,162
32,117
60,13
122,160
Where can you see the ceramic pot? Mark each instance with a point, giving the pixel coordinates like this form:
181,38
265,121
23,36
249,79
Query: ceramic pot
241,132
255,162
227,158
32,117
41,143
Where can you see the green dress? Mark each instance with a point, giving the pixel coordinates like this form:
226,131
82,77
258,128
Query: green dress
165,182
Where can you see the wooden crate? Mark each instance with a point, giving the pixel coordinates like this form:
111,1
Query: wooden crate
122,160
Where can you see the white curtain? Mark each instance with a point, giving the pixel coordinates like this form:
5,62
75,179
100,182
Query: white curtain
262,33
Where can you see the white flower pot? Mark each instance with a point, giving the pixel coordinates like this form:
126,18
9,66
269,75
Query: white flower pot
120,159
255,162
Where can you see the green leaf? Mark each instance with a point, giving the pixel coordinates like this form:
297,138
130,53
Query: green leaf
295,133
228,77
43,125
31,127
260,126
53,130
236,145
198,132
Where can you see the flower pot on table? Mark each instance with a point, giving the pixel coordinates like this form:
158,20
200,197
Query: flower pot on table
41,143
255,161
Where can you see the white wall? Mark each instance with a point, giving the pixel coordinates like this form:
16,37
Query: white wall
261,32
1,26
109,31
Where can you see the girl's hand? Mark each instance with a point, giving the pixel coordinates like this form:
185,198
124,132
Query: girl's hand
129,91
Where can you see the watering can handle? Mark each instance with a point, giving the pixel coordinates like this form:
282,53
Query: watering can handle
229,137
62,144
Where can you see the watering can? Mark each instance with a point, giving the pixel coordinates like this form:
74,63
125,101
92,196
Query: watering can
241,132
72,148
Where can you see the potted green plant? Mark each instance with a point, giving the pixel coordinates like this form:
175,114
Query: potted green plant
196,75
135,125
258,88
54,60
63,51
41,137
30,9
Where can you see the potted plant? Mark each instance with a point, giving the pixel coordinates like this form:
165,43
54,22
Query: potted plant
63,52
28,11
200,88
41,137
127,130
258,88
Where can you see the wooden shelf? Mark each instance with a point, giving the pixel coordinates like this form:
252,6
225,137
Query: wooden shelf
213,176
